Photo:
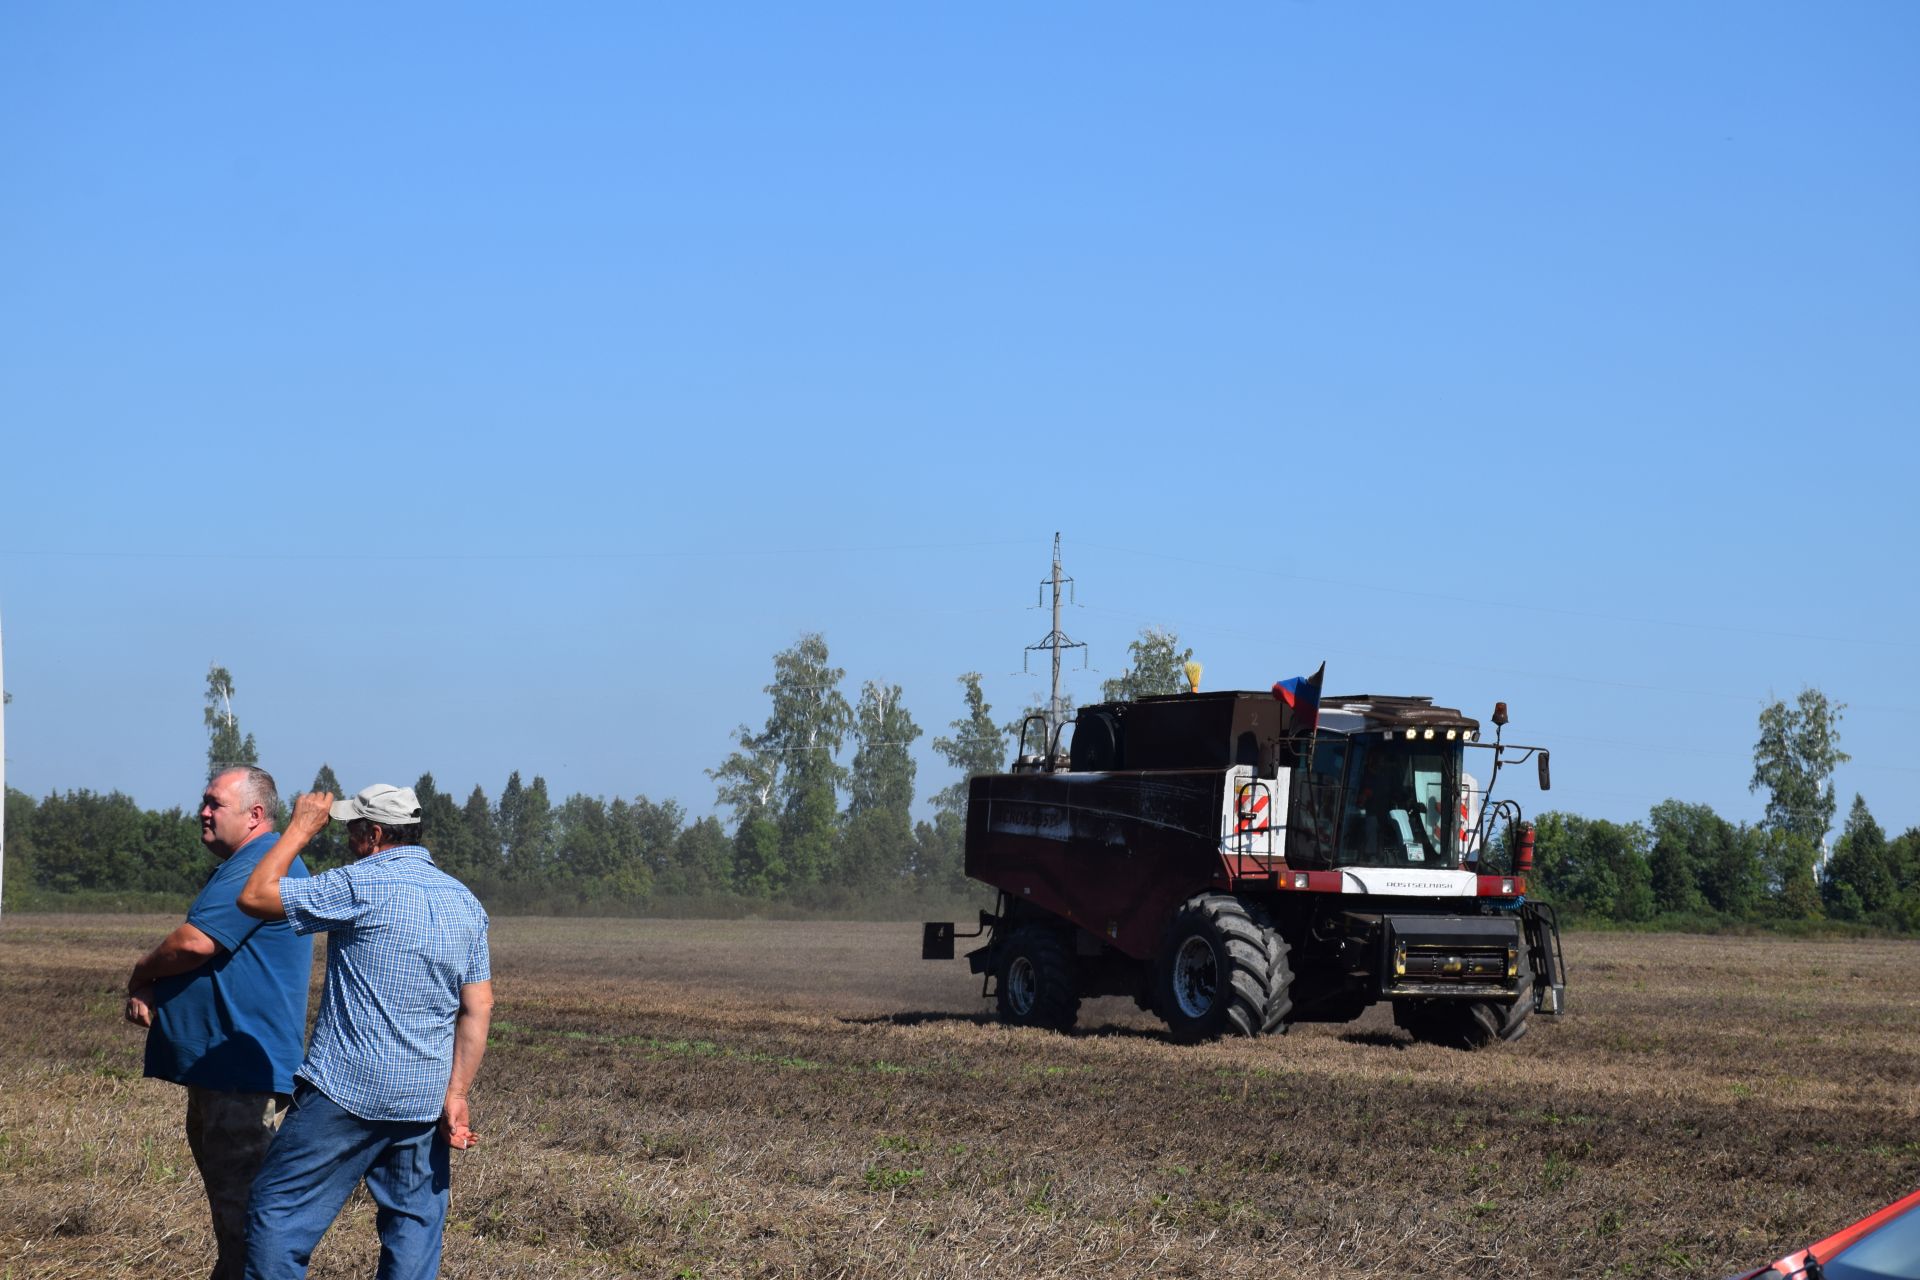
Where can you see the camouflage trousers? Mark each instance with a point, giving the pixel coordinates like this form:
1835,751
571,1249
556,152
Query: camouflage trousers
229,1134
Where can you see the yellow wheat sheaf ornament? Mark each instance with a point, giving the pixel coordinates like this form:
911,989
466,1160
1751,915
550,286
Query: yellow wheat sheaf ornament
1193,677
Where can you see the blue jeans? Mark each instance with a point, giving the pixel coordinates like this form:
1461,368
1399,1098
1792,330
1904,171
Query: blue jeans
320,1155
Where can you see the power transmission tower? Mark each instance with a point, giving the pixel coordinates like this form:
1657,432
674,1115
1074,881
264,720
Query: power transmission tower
1055,640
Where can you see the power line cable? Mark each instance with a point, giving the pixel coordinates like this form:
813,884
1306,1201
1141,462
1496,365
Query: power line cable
1853,762
1561,677
490,556
1243,569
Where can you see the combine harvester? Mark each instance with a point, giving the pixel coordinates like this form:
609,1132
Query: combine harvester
1240,861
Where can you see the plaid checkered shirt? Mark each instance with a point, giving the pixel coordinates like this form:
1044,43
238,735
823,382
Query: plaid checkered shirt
405,937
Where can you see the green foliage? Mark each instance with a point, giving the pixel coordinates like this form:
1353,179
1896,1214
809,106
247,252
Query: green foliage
806,728
757,864
745,780
329,848
1732,874
585,845
1158,667
883,769
939,853
976,746
1701,862
649,833
702,861
442,829
876,848
84,841
1794,759
1594,867
172,858
1689,865
809,837
1673,864
87,841
507,816
876,840
525,822
599,850
225,745
788,772
1903,857
18,853
1787,859
480,839
1861,880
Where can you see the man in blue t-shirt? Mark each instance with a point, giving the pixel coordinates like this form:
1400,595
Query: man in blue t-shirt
224,998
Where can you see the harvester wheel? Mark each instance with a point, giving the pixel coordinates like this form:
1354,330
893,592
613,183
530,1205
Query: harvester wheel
1223,971
1469,1024
1036,980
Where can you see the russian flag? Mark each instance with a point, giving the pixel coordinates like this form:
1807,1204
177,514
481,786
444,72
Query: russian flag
1302,696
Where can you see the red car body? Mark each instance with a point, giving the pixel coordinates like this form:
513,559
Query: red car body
1902,1216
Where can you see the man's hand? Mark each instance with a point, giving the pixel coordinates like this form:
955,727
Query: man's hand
140,1007
260,896
311,813
469,1046
453,1125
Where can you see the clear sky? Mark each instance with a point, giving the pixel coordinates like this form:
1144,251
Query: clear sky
497,386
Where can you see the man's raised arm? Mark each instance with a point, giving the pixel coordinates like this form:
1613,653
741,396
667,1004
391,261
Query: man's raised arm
261,896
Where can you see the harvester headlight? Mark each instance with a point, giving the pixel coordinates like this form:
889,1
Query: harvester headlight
1452,734
1299,879
1399,959
1466,735
1513,962
1506,887
1411,733
1428,735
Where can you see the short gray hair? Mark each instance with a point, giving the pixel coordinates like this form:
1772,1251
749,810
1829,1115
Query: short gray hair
256,786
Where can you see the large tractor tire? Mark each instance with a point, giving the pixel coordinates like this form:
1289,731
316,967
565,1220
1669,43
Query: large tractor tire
1036,979
1223,971
1469,1024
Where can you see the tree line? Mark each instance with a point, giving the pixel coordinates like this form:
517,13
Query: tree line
800,827
815,812
1686,861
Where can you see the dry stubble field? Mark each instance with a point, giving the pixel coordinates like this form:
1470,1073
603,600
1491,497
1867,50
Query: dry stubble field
743,1099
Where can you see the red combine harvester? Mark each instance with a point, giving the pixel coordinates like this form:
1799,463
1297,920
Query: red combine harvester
1237,863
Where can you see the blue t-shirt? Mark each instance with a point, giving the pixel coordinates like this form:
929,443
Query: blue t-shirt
235,1023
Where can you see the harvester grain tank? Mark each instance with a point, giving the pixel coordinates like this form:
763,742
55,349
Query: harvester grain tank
1241,861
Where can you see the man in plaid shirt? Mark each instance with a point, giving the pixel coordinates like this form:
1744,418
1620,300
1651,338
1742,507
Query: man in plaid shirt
382,1094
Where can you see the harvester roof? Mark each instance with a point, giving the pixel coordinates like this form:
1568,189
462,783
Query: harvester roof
1356,712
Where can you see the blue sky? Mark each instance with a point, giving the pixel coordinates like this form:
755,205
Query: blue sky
494,388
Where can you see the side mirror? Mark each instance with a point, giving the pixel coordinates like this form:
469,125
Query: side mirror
1500,713
1546,778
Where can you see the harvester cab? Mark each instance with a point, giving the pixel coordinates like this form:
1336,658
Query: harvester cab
1241,861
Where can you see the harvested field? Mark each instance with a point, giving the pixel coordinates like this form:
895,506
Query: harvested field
711,1099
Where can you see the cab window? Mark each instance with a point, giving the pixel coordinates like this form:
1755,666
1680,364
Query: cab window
1398,809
